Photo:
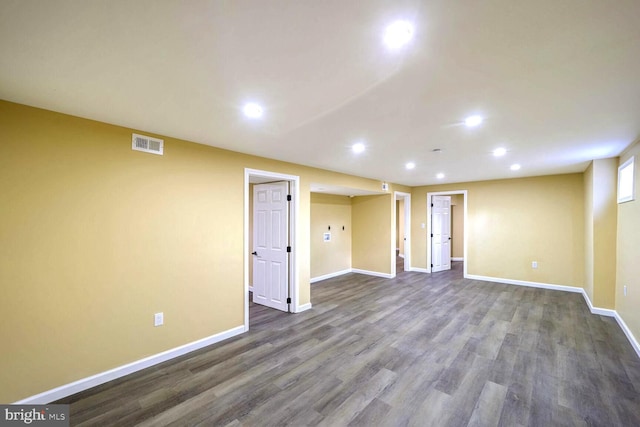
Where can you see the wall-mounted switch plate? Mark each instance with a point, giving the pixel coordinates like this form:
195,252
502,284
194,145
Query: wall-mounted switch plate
624,288
158,319
534,264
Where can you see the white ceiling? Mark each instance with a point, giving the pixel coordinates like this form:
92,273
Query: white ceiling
558,81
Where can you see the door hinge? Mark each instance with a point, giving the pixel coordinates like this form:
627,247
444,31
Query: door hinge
288,248
431,265
431,234
431,204
288,300
288,197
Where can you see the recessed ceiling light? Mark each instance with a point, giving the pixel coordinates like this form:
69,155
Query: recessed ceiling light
499,152
410,165
358,147
252,110
440,176
398,34
515,167
472,121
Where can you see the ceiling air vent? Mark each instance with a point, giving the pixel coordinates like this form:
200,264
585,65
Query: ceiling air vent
147,144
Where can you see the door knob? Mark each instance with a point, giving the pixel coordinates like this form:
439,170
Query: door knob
254,253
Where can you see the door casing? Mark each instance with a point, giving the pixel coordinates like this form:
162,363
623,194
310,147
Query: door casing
466,228
257,176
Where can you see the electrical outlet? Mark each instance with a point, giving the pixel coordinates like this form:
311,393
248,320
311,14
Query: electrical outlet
534,264
624,289
158,319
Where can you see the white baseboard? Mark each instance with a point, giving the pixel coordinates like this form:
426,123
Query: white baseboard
112,374
250,288
373,273
457,259
419,269
594,310
330,275
304,307
525,283
401,255
632,339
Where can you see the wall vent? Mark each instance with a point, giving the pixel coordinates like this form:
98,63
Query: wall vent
147,144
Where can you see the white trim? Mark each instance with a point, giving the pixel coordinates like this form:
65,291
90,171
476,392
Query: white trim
466,229
294,284
457,259
303,307
401,256
628,333
419,270
525,283
630,162
373,273
112,374
406,197
330,275
250,288
595,310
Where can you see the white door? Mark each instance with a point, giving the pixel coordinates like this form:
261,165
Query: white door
440,233
270,242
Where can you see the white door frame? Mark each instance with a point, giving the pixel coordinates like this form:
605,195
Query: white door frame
294,268
466,229
406,197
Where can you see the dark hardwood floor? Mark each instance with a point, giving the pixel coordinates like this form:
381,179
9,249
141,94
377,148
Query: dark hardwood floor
418,350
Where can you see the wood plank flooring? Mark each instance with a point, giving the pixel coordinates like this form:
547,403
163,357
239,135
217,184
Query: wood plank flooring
418,350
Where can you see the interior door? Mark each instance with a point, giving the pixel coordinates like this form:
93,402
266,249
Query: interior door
270,242
441,233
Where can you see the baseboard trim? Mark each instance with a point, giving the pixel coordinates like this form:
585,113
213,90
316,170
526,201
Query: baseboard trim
596,310
304,307
330,275
373,273
112,374
632,339
457,259
250,288
401,255
419,269
526,283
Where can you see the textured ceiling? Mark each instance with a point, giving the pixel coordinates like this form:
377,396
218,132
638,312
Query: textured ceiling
557,81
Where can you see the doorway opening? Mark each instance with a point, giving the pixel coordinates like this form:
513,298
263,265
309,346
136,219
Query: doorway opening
435,237
401,235
254,178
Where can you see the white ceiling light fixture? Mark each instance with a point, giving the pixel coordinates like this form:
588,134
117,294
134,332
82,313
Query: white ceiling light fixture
440,175
515,167
473,121
252,110
410,165
499,152
398,34
358,147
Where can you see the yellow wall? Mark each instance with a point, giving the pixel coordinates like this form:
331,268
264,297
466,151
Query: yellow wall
95,238
604,173
628,252
330,211
588,231
371,219
457,225
514,222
